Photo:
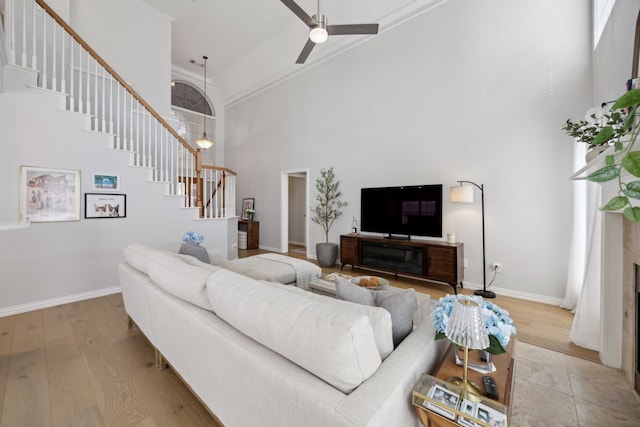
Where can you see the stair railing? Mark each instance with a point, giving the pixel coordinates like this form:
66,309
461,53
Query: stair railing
38,39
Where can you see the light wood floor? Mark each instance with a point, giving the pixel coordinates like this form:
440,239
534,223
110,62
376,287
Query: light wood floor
79,365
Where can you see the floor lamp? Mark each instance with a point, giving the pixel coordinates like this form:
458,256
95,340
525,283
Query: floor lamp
464,194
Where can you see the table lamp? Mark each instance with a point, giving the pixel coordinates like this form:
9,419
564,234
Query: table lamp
466,328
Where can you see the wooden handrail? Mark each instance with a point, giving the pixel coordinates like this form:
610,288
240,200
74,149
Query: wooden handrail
120,80
219,168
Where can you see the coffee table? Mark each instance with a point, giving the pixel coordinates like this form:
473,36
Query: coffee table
323,287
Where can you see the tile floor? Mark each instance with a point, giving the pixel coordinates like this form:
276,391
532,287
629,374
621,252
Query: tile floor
554,389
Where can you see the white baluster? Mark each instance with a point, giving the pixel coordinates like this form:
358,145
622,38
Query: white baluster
138,132
54,76
80,97
130,122
156,135
63,66
24,34
11,40
104,99
44,83
12,20
111,105
34,48
119,132
145,151
96,101
72,89
88,73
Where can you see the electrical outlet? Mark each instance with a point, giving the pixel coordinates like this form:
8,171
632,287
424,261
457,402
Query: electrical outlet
465,263
497,267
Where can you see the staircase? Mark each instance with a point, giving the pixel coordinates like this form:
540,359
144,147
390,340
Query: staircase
60,61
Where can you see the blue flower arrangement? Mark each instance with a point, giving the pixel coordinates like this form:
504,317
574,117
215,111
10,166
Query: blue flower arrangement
192,236
499,325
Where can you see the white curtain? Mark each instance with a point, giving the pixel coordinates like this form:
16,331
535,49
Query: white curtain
577,253
584,277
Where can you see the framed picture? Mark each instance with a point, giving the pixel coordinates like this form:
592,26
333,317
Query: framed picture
105,181
97,205
246,204
49,194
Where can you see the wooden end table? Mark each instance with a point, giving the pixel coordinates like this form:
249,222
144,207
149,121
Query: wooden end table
504,376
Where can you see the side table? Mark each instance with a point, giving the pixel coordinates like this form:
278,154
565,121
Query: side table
504,376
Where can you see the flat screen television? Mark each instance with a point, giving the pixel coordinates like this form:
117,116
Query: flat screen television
402,211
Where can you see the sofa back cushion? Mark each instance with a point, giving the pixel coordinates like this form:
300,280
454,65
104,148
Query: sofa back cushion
379,318
182,276
137,256
333,342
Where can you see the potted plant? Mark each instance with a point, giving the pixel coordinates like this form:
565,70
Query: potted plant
619,130
327,210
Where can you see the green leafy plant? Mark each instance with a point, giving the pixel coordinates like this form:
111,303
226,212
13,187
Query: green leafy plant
329,206
620,131
590,131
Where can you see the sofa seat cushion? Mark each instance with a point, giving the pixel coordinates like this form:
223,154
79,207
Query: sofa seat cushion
333,342
182,276
379,318
262,269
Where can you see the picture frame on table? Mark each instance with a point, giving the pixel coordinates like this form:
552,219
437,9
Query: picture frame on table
445,398
247,203
105,182
49,194
100,205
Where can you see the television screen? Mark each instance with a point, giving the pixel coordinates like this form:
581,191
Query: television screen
411,211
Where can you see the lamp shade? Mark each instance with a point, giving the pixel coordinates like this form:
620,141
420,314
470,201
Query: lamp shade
466,326
204,142
461,194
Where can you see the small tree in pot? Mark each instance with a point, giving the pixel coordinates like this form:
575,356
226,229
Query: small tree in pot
327,210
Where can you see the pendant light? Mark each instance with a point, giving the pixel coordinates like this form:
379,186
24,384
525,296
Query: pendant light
203,142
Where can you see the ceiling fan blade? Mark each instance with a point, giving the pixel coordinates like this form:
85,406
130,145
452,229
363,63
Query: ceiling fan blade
300,13
338,30
306,50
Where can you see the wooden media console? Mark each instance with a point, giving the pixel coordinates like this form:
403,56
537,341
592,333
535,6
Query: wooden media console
425,259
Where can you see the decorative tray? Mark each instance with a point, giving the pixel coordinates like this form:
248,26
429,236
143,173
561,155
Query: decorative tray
370,282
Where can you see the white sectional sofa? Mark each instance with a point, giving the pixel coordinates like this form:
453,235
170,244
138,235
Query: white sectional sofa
262,353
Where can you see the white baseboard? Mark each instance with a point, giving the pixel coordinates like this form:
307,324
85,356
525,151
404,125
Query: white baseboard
39,305
270,249
517,294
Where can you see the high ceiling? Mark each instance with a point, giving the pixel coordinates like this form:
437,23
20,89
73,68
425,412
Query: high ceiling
252,43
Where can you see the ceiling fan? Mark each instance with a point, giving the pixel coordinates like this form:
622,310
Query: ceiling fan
320,30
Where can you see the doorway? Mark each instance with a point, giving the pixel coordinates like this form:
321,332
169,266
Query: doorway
294,212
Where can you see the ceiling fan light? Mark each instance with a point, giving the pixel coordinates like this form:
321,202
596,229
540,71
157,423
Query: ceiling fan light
318,35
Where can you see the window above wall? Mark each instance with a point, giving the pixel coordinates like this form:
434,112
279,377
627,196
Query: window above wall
601,11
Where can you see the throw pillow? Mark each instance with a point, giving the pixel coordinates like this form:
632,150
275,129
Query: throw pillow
347,291
195,250
401,305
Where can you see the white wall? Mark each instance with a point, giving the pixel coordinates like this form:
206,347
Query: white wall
135,39
467,91
63,260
